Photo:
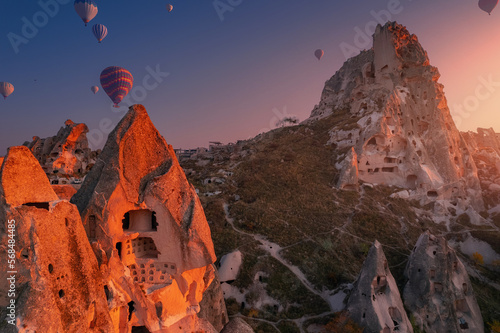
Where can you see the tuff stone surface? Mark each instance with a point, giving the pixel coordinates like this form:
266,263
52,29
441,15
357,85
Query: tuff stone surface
375,302
439,292
58,284
148,229
398,122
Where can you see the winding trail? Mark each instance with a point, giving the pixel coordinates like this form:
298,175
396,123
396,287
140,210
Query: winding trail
274,250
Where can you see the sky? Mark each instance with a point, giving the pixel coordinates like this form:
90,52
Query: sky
224,70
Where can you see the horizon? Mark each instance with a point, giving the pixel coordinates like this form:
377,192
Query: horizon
232,72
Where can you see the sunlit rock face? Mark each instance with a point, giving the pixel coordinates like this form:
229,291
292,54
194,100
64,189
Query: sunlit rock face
65,154
396,117
148,230
58,284
439,293
375,302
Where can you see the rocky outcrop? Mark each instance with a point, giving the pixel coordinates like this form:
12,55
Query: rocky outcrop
485,148
66,155
349,172
56,285
148,230
393,112
439,293
237,325
375,302
213,306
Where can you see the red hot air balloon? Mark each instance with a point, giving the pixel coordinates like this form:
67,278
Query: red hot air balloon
116,82
6,89
94,89
319,53
170,8
488,5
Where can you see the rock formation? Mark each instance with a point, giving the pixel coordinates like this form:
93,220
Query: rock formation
439,293
485,148
65,155
58,287
213,306
393,112
375,302
237,325
148,230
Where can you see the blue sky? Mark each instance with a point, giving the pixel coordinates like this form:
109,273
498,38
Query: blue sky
227,79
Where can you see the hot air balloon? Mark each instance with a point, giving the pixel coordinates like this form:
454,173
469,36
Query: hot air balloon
86,9
6,89
170,8
94,89
116,82
319,53
100,31
488,5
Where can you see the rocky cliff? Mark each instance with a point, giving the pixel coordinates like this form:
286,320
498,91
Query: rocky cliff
148,230
54,280
439,293
375,302
65,155
398,122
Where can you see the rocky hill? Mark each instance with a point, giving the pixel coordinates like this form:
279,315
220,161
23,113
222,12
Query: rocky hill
379,161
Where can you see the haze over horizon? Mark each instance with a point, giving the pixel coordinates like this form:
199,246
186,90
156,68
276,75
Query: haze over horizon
231,74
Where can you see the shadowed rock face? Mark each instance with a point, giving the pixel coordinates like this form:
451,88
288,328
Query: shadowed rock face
147,228
398,121
58,285
375,302
439,293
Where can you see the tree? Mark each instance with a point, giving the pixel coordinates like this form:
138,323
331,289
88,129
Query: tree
478,258
287,121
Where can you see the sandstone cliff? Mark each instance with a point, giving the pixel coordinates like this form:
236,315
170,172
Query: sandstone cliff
148,230
58,286
65,155
393,112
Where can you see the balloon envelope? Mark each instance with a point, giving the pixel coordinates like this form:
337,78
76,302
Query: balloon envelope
488,5
100,31
116,82
319,53
86,9
94,89
170,8
6,89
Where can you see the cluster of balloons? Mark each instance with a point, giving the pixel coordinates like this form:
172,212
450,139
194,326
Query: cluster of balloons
115,81
87,10
488,5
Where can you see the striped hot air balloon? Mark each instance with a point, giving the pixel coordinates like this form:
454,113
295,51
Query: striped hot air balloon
94,89
100,31
6,89
86,9
116,82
